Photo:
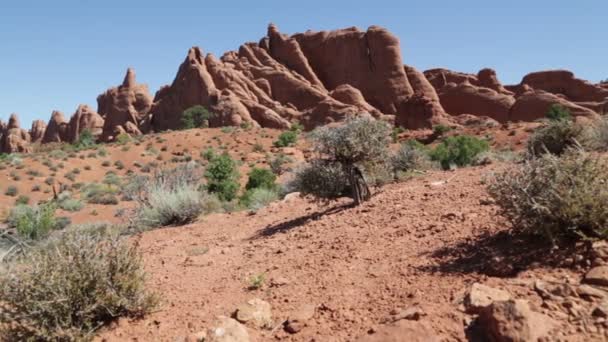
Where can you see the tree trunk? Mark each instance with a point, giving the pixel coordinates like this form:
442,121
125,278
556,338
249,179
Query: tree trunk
360,190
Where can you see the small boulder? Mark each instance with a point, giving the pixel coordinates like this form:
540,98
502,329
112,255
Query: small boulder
480,296
512,321
597,276
299,318
401,331
256,312
227,330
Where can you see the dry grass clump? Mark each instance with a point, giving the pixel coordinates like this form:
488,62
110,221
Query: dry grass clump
69,286
557,196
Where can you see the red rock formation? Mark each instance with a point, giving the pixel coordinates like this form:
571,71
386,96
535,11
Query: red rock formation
563,82
129,102
57,129
85,118
37,130
487,78
534,104
466,98
13,139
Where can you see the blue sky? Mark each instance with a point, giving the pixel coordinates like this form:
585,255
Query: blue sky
58,54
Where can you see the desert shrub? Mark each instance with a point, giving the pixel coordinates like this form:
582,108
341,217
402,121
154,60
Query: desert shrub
112,179
195,117
70,286
458,150
35,188
134,187
57,154
96,193
222,177
66,202
554,137
556,196
321,179
261,178
257,198
11,190
257,147
162,208
411,156
358,145
169,197
119,165
22,200
85,140
33,222
49,180
597,135
123,139
106,163
287,138
277,164
440,129
558,113
489,157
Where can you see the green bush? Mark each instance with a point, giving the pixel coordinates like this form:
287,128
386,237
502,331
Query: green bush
195,117
261,178
222,177
67,203
440,129
556,196
458,150
11,190
411,156
208,154
257,198
558,113
67,288
33,222
123,139
286,139
324,180
162,208
22,200
96,193
85,140
554,137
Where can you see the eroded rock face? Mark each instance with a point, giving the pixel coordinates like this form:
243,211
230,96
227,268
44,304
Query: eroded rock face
130,102
57,129
563,82
13,139
313,77
85,118
466,98
534,104
37,130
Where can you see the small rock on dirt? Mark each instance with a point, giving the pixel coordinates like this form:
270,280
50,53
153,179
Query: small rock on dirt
411,331
227,330
256,312
480,296
597,276
299,318
512,320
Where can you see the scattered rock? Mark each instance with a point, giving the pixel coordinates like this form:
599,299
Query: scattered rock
299,318
256,312
597,276
279,281
601,310
200,336
227,330
512,320
590,292
404,330
480,296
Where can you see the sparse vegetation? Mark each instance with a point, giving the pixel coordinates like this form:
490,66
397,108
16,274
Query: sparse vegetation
286,139
67,288
11,190
342,152
196,117
456,151
222,177
33,222
440,129
85,140
556,196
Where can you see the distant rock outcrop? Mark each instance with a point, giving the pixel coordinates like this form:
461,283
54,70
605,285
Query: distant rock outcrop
37,130
14,139
316,78
130,102
57,129
85,118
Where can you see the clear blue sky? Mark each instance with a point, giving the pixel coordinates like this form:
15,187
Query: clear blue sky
58,54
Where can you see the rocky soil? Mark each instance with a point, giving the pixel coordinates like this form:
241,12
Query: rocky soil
426,259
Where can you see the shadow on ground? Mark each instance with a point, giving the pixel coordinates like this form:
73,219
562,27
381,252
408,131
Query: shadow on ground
504,254
286,226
